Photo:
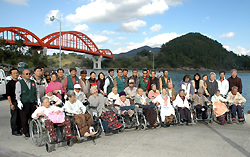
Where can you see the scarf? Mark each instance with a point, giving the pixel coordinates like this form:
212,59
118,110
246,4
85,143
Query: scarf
165,98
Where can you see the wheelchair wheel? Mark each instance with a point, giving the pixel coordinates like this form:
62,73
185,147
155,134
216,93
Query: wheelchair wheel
48,147
36,133
70,143
75,133
143,127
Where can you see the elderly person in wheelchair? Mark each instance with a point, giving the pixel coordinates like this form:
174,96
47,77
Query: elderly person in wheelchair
235,100
201,103
84,121
97,106
48,112
114,95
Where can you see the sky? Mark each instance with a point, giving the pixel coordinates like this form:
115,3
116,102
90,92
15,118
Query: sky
123,25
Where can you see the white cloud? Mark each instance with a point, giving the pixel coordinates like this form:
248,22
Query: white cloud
207,18
54,13
144,33
132,27
98,39
155,41
108,32
81,28
117,11
227,35
18,2
155,28
113,43
121,38
238,50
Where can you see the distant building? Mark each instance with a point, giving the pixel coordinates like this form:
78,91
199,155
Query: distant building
21,65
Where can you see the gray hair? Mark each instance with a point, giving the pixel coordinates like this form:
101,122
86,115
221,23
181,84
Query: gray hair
114,88
212,73
138,89
70,93
234,87
43,98
92,88
233,70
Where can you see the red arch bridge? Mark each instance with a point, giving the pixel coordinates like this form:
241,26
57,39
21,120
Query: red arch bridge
70,41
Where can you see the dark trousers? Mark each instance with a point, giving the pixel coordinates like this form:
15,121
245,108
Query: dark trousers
25,113
237,108
15,120
198,110
184,113
150,115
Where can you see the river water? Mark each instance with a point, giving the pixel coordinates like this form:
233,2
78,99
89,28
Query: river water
177,76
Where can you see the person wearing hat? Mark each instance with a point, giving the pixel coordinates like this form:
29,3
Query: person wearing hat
212,84
56,86
200,103
70,81
153,93
84,83
131,91
79,94
49,94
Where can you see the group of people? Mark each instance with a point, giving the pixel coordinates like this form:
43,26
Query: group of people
32,97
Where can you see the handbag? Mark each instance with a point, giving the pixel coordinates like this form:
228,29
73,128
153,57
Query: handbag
56,118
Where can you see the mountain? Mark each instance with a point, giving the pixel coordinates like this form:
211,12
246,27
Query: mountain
133,52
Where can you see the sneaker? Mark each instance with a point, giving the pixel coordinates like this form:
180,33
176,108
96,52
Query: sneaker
233,119
15,133
27,135
241,119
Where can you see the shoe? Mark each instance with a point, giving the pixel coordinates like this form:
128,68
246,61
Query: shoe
154,125
70,137
15,133
241,119
27,135
86,134
233,119
118,125
93,133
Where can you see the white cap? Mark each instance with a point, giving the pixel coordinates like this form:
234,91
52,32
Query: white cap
77,86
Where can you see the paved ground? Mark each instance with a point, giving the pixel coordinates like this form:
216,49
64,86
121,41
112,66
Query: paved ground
197,140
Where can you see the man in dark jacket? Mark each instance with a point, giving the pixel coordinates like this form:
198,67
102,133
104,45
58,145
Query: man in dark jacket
234,80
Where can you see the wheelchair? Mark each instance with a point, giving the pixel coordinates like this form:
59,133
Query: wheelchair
175,120
39,134
229,114
178,118
197,116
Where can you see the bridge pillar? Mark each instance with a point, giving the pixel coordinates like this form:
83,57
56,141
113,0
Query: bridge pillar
97,62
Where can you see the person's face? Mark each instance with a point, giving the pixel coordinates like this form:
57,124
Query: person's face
140,92
77,90
187,79
169,85
83,76
234,74
14,74
181,93
218,93
125,73
115,91
123,98
92,76
166,73
197,77
204,78
111,73
222,75
235,91
53,78
212,77
72,98
200,94
47,75
49,93
60,73
95,91
73,73
26,74
131,84
164,91
154,87
153,74
145,74
119,73
134,73
101,76
46,103
38,72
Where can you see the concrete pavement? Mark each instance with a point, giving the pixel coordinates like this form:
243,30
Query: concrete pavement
198,140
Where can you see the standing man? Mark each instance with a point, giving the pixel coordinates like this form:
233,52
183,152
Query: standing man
60,77
119,81
15,122
85,83
70,81
144,80
109,82
164,80
27,96
234,80
223,84
153,80
40,81
125,77
135,78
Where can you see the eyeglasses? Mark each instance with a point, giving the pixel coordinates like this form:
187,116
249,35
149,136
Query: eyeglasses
27,73
145,73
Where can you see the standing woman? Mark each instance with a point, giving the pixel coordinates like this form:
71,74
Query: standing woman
197,83
186,85
47,76
204,79
56,86
100,83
